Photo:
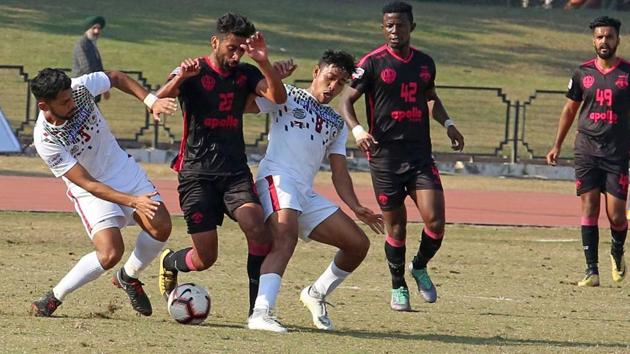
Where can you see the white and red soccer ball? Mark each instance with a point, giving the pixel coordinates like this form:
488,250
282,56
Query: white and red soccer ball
189,304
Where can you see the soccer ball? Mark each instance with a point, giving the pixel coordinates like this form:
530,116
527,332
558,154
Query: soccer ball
189,304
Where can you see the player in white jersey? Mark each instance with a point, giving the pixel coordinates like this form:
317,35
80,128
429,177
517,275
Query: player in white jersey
304,131
107,186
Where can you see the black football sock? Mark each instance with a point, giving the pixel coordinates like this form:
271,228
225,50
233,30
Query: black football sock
428,248
396,261
253,273
590,241
618,240
176,261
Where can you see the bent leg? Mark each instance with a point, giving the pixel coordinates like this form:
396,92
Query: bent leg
431,205
340,231
109,248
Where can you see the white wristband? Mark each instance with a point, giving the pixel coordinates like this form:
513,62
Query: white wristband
449,123
150,100
357,131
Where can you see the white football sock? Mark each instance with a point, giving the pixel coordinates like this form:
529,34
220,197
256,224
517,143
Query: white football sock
329,280
87,269
268,288
147,248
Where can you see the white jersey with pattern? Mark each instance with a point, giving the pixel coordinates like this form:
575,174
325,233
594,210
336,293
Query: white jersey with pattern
302,132
85,139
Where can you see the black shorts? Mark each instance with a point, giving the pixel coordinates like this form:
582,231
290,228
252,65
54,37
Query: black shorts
606,174
392,184
205,199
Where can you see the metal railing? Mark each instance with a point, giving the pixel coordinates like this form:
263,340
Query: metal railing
494,126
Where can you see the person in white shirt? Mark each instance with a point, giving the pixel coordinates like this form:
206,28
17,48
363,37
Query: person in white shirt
303,131
107,186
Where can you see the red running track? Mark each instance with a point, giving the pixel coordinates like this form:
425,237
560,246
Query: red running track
462,206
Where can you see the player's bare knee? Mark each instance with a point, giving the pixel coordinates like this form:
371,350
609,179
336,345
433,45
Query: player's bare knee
162,229
398,232
618,222
110,257
255,232
359,246
436,226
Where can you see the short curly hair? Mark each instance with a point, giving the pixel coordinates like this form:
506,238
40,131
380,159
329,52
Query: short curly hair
605,21
340,59
399,7
48,83
235,24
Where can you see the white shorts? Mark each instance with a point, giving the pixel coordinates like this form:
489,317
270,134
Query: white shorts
280,192
98,214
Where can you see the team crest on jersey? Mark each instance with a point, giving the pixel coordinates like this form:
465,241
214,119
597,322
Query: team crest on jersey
298,113
588,81
388,75
241,80
358,73
622,81
425,75
208,82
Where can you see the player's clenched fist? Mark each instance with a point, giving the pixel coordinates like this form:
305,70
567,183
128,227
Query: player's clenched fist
189,68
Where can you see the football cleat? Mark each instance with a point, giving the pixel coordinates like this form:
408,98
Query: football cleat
139,299
317,306
590,279
45,305
167,279
425,285
263,319
618,268
400,299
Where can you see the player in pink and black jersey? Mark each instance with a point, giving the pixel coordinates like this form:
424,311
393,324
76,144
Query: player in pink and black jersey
602,144
398,82
214,178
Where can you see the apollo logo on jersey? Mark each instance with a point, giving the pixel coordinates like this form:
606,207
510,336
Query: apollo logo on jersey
588,81
388,75
413,114
228,122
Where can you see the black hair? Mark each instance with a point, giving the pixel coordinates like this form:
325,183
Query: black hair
340,59
399,7
235,24
605,21
48,83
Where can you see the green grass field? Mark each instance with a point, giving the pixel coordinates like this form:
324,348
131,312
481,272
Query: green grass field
501,290
516,49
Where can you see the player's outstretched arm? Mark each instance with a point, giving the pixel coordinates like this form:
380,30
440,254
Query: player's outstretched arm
128,85
271,87
284,68
82,178
438,112
566,120
343,185
363,139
